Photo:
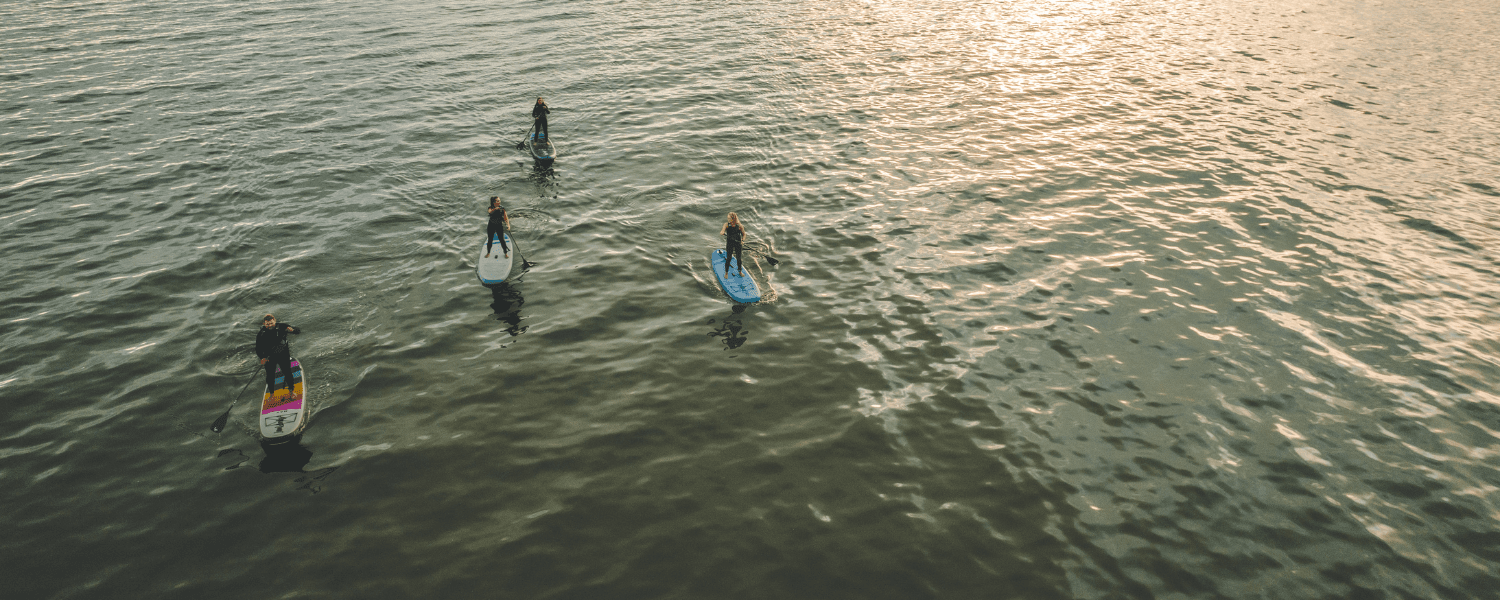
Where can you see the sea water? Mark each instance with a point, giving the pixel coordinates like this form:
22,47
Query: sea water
1071,299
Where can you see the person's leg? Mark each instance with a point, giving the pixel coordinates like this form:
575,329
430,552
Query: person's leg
541,125
504,246
271,374
739,262
489,240
728,254
285,361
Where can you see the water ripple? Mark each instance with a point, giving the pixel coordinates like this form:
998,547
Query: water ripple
1064,300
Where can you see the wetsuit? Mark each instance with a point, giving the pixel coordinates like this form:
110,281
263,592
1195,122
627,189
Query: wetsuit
733,244
271,344
497,226
539,112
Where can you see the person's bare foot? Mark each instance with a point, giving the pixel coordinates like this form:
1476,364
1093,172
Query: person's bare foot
486,256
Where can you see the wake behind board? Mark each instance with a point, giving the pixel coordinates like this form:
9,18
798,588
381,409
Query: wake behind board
741,288
496,268
541,149
283,414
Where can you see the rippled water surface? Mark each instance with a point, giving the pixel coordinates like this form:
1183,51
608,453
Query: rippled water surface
1065,299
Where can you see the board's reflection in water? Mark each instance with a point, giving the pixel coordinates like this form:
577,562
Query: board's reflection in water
542,170
731,329
291,456
284,455
507,306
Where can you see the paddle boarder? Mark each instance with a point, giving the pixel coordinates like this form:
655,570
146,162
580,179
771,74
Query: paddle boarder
539,112
272,348
734,237
499,224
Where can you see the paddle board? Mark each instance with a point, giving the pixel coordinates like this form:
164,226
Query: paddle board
283,414
541,148
496,268
741,288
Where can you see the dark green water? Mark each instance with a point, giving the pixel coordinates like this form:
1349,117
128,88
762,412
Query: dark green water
1070,300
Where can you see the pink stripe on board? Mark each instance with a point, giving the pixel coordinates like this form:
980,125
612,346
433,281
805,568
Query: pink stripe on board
293,405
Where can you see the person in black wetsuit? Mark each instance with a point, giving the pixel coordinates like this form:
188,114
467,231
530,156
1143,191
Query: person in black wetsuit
499,224
272,348
734,238
539,112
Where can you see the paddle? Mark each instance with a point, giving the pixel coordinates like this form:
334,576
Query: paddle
223,419
525,264
765,253
521,145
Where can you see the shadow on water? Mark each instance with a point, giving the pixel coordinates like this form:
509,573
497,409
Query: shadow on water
283,455
731,328
507,302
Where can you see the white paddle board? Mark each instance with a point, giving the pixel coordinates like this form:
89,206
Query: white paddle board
496,268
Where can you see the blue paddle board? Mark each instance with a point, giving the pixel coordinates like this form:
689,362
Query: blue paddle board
741,288
541,148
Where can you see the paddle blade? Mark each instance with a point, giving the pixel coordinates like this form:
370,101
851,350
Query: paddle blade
219,423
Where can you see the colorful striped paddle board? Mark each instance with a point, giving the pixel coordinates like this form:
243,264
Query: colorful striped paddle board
283,414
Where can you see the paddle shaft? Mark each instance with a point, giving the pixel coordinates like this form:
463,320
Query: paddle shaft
521,144
517,244
763,252
223,419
